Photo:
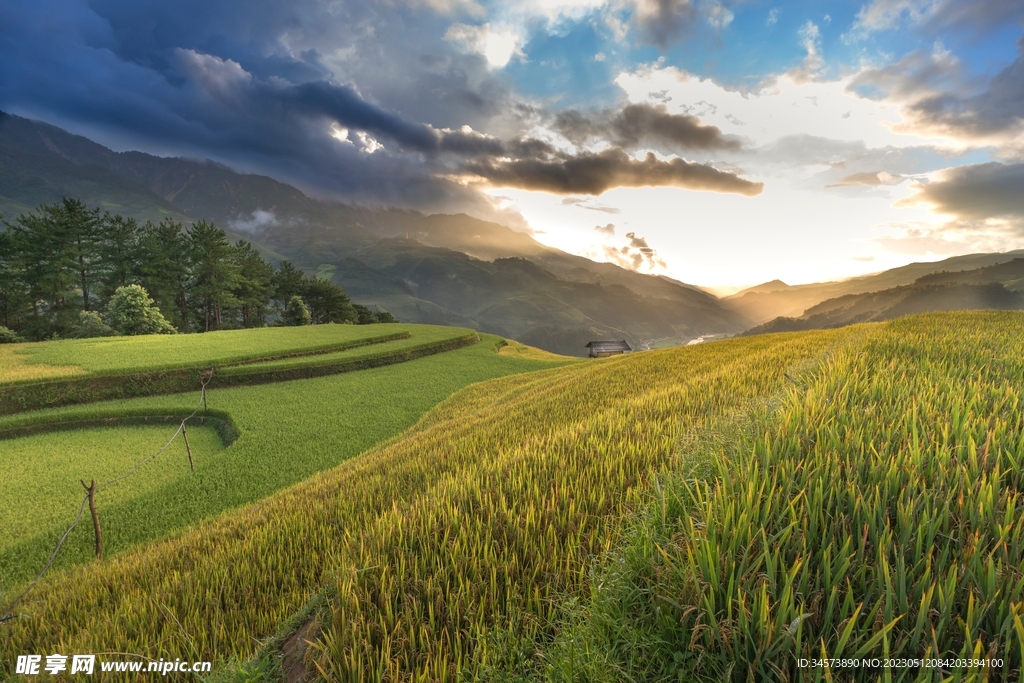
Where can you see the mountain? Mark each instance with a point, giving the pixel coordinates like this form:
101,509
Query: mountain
447,269
33,171
776,299
517,297
999,286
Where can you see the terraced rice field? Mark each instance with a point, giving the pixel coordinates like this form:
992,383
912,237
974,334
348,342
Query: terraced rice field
716,512
287,431
151,353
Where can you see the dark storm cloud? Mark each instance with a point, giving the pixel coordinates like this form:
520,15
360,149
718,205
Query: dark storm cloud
936,96
357,100
976,192
595,173
257,86
346,107
638,125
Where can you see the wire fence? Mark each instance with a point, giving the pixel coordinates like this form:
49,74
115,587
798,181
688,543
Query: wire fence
204,379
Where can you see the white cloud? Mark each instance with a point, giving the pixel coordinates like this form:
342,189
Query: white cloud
340,134
498,46
719,16
773,17
450,7
557,10
925,240
253,223
785,108
798,137
880,15
813,64
220,79
368,142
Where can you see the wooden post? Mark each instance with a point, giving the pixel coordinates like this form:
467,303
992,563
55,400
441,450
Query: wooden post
205,376
187,447
91,490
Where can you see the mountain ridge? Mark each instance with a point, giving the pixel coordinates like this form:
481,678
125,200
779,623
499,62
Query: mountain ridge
792,301
999,286
424,278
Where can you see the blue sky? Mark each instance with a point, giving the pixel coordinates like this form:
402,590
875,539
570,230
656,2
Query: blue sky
721,142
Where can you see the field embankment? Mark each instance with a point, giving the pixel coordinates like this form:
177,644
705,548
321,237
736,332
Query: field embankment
126,367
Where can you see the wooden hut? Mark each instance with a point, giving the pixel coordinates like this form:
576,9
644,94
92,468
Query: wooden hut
603,349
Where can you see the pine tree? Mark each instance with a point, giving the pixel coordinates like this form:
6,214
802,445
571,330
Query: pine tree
327,302
81,234
13,297
254,286
120,253
214,274
44,265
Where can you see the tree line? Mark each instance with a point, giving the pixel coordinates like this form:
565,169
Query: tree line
61,267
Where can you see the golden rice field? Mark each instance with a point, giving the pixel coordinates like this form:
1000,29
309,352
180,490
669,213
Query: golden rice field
590,522
515,483
875,513
15,366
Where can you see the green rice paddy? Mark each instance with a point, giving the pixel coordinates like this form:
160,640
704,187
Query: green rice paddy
287,432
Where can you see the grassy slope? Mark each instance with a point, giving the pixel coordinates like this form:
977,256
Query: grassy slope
421,335
42,489
110,355
875,513
482,515
288,431
452,550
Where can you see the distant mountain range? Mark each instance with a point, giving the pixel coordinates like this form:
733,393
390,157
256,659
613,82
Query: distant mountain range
455,269
776,299
450,269
999,286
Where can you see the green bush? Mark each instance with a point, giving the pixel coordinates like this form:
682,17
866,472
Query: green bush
8,337
296,312
90,324
131,311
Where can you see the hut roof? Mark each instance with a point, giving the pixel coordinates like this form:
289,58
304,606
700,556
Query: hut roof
608,346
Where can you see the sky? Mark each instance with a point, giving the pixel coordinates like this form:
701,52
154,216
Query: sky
720,142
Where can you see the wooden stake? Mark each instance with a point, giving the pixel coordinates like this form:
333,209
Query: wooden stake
91,490
205,377
187,448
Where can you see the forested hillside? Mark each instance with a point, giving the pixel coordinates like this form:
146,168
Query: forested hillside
66,261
